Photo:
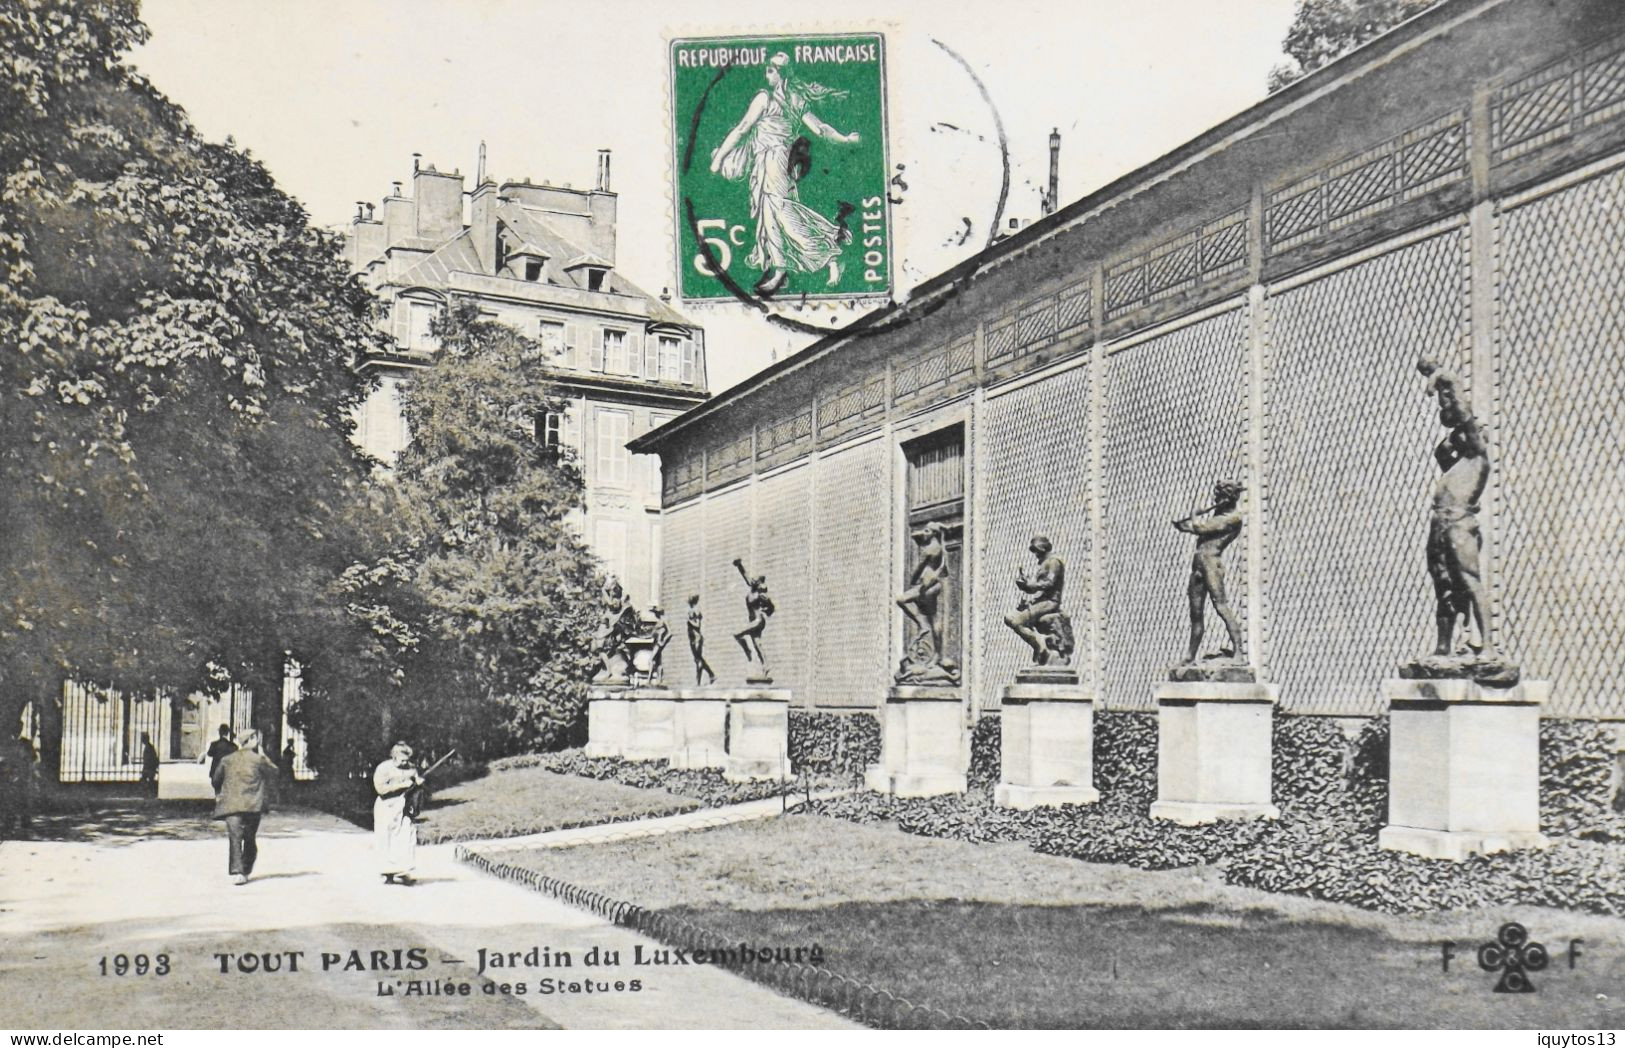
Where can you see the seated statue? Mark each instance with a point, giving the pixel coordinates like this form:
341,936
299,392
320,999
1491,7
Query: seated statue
1038,618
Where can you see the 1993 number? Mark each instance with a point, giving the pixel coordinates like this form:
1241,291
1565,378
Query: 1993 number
134,964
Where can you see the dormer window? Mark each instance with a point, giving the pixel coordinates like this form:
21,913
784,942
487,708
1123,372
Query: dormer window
595,279
533,269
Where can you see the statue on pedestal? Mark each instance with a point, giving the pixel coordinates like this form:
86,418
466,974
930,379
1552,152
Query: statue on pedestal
1038,618
1215,529
620,624
758,606
696,641
1462,647
925,662
659,637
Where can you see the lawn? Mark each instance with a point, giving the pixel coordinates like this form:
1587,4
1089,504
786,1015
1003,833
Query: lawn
517,801
996,933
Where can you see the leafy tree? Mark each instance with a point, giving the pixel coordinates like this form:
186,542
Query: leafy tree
503,636
179,495
1325,30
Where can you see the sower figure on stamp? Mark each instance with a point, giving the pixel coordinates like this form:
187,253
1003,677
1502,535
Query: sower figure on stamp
696,641
758,606
789,235
1038,618
1214,528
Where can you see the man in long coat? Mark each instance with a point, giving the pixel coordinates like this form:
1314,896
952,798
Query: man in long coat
393,830
244,786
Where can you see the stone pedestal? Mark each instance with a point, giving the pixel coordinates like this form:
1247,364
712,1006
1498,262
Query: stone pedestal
1463,767
701,728
609,721
922,743
1046,744
653,734
758,734
1213,751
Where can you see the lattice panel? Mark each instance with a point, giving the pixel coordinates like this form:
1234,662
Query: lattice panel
783,554
680,562
727,535
1175,422
1035,481
1560,379
1559,100
1349,470
852,507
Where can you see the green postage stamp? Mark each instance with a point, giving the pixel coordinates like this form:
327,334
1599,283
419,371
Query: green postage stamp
780,167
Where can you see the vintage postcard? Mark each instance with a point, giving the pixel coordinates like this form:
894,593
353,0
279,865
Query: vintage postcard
1102,516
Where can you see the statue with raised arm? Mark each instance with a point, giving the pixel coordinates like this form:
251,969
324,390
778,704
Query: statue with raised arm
921,603
758,607
1038,618
1462,635
1215,529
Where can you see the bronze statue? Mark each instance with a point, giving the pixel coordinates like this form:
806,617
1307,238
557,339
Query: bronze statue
1215,528
1454,539
758,606
926,661
620,624
1038,618
659,637
696,641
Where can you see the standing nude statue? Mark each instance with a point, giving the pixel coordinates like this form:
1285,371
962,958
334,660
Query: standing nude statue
1215,529
926,660
1454,538
696,641
1038,618
758,606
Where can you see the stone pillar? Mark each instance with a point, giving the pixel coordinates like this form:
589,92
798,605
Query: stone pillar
701,728
1463,767
1046,744
1213,751
922,743
653,734
758,734
609,721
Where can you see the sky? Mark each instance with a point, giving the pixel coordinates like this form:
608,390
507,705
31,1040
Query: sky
334,97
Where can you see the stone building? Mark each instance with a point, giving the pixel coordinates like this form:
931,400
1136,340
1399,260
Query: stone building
540,258
1250,306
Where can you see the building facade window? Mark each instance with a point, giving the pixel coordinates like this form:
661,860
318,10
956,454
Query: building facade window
533,270
614,429
419,317
671,359
550,429
615,352
551,337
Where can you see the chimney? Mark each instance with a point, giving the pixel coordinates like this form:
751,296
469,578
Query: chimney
482,224
603,171
397,217
437,202
479,174
1052,197
601,204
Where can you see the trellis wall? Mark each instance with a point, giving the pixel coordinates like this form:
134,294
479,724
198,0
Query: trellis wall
1348,468
1108,383
1174,423
1035,474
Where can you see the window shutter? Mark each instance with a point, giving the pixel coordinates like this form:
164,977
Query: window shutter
572,339
597,358
634,353
689,362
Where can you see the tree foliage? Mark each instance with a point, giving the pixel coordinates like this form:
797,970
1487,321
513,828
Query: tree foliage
179,494
1325,30
487,601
